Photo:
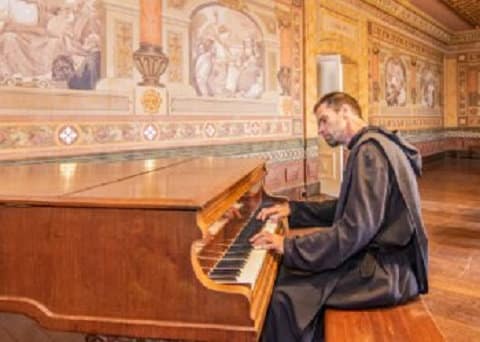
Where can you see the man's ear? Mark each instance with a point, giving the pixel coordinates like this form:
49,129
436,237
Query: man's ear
345,110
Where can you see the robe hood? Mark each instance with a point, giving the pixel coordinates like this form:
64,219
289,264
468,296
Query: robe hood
408,149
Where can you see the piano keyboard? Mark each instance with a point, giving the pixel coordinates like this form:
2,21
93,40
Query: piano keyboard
242,263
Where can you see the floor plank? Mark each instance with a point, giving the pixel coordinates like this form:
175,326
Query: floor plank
450,193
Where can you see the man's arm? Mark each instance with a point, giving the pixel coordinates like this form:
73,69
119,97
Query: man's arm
360,221
311,214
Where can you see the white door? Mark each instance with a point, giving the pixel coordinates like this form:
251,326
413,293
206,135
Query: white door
330,78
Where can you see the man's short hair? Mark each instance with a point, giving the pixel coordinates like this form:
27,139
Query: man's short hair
336,99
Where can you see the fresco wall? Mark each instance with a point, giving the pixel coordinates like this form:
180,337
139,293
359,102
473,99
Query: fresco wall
69,83
411,65
406,81
468,91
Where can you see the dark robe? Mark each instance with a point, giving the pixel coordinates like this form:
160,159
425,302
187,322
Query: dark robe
375,252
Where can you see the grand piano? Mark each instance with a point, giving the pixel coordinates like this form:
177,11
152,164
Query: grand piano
153,248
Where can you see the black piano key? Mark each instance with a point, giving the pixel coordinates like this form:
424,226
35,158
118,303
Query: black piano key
231,272
223,278
230,263
243,248
236,254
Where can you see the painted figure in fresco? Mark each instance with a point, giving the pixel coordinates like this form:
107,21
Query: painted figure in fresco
36,33
374,252
284,79
429,95
428,86
226,62
250,80
395,83
203,67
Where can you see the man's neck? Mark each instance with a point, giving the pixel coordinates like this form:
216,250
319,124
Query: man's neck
354,126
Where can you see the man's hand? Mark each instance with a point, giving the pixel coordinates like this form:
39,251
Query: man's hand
276,212
268,241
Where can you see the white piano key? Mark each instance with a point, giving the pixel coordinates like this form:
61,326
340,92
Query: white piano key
254,263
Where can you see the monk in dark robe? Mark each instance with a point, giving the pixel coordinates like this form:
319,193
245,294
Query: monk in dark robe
374,252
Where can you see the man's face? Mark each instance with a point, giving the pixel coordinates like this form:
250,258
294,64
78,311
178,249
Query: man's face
331,125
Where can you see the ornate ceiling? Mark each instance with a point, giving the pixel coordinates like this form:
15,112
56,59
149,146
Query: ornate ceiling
457,15
469,10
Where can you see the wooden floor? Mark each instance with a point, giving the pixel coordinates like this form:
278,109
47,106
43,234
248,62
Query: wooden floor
451,206
450,192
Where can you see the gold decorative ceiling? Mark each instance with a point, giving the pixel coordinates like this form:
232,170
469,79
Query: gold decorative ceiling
469,10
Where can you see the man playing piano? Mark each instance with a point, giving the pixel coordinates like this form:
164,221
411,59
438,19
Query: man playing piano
375,251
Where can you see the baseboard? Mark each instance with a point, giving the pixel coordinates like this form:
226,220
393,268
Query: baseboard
434,158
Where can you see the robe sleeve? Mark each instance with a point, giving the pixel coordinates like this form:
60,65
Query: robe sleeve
311,214
362,217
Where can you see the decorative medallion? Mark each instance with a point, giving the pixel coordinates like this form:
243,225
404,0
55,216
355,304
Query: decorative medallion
255,128
68,135
151,101
150,132
210,130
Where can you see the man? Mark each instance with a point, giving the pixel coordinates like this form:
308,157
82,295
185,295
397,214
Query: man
374,253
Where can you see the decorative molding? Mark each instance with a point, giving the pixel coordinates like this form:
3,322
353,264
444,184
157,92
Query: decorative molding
399,40
159,134
405,123
412,17
350,8
466,37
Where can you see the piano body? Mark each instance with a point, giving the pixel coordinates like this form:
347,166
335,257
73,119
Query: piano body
143,248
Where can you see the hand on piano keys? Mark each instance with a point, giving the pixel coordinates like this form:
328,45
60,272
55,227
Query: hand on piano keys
269,241
275,212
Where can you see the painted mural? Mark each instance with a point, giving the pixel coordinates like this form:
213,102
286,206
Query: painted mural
468,90
49,43
429,86
405,81
67,67
227,55
395,82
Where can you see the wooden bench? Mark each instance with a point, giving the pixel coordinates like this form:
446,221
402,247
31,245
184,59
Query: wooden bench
404,323
409,322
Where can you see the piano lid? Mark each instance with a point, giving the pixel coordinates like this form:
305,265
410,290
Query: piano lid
152,183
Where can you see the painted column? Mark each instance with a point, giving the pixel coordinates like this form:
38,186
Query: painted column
374,65
149,59
284,74
151,22
472,86
413,80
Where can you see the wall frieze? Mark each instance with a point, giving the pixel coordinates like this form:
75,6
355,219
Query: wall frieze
350,8
386,35
413,17
405,123
465,37
78,135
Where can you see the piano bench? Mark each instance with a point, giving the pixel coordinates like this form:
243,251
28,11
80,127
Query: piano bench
408,322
